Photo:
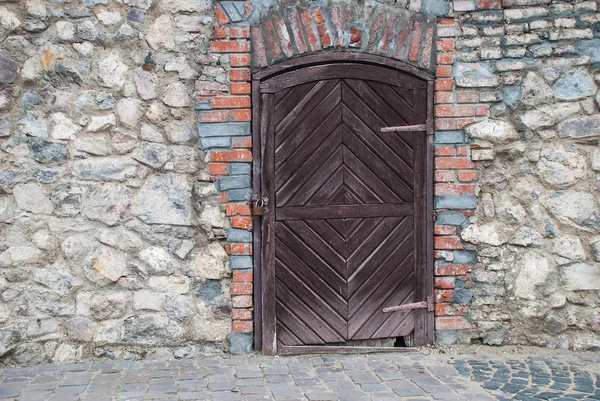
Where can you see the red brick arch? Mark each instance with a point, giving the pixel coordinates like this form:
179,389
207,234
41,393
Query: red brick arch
287,32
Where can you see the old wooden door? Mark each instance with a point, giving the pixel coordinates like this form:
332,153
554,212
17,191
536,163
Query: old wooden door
345,229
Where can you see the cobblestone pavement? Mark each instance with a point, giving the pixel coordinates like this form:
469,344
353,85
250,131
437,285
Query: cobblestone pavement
413,376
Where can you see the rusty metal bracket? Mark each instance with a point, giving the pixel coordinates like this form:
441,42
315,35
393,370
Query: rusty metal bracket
417,305
405,128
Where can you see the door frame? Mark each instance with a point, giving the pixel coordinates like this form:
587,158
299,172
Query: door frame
264,273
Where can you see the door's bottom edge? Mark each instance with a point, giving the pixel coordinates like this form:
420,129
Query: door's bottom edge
324,349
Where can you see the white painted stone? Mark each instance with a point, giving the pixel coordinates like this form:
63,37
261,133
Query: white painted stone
150,133
211,216
145,83
596,160
112,71
581,277
212,263
184,248
158,260
527,236
165,199
161,34
129,111
66,353
493,233
85,48
495,131
42,239
582,210
94,144
105,168
21,255
36,9
509,211
569,247
170,284
108,203
181,65
534,270
108,332
535,90
121,238
8,19
65,30
157,112
141,4
31,197
4,101
180,132
176,95
560,166
7,209
32,69
102,123
152,155
109,17
547,116
111,264
176,6
63,127
35,125
148,300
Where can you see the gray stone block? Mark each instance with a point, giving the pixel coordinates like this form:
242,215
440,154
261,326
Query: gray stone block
47,152
206,130
452,219
590,48
233,182
439,8
215,142
237,195
496,337
240,343
444,137
458,202
240,168
239,235
461,296
465,257
450,337
240,262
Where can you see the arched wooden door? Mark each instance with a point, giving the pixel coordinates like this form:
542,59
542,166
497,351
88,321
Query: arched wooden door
344,233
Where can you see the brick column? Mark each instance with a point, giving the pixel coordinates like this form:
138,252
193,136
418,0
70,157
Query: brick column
224,131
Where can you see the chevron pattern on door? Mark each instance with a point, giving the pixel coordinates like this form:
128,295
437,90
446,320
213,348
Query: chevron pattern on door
347,237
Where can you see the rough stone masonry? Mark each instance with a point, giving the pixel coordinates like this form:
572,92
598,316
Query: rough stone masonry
125,168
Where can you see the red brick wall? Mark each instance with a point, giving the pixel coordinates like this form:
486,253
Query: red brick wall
232,104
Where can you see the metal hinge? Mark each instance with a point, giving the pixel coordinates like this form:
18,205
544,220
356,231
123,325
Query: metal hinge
417,305
405,128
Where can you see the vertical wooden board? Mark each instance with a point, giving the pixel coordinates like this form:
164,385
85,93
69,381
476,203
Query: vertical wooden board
268,227
256,220
420,192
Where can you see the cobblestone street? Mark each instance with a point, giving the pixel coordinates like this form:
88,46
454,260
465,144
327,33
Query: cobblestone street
406,376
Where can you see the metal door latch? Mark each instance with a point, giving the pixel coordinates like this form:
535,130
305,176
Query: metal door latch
417,305
258,205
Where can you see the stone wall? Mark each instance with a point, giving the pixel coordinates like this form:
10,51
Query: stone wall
111,227
517,180
125,167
